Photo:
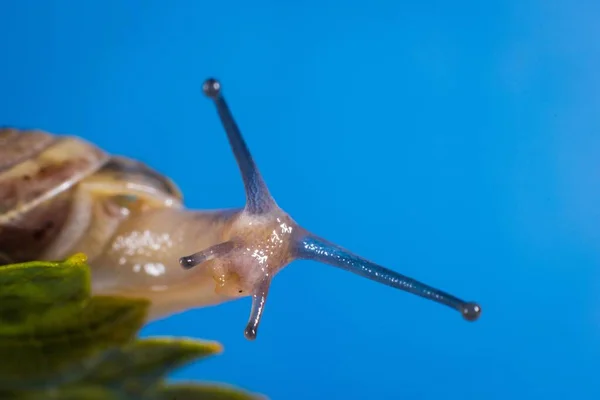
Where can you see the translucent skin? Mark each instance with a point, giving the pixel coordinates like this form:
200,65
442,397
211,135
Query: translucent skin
141,259
141,242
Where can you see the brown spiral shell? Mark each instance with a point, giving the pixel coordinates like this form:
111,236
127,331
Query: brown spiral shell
38,171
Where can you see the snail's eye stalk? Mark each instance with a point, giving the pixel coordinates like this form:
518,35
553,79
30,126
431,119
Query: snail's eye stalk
216,251
313,248
259,298
258,198
297,245
259,293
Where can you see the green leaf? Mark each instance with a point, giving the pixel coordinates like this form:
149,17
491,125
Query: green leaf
72,393
36,294
58,331
80,393
181,391
138,366
57,342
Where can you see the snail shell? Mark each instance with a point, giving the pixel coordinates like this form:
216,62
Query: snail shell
44,211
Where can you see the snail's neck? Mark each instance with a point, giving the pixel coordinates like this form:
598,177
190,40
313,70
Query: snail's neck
145,248
141,257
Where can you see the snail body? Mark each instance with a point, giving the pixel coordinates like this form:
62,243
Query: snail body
61,194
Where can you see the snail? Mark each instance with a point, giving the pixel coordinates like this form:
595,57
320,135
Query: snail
61,194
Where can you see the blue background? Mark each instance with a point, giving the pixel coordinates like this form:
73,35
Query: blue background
456,142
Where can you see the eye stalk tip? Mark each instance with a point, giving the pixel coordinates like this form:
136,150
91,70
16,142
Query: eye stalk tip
471,311
187,262
250,332
211,88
